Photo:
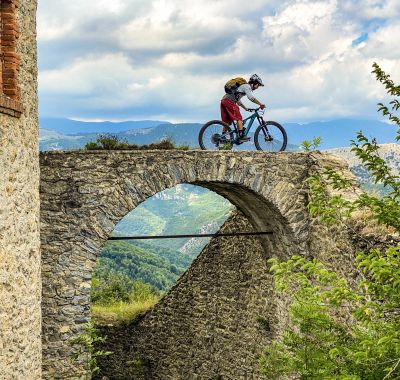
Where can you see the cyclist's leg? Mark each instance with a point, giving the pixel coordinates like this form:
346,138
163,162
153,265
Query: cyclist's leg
237,116
229,113
225,116
240,127
242,137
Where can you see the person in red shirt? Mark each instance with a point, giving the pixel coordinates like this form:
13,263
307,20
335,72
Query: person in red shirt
230,103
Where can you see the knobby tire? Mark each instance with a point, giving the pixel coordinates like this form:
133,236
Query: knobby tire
214,127
278,132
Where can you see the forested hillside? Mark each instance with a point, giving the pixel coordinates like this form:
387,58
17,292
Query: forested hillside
185,209
156,267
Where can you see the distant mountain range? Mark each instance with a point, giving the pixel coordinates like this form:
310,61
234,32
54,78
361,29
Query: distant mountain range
68,126
181,134
389,152
64,134
338,133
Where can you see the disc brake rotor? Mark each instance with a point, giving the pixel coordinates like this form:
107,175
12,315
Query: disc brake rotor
269,138
215,138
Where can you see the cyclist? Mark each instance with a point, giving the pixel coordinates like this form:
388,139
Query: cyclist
230,104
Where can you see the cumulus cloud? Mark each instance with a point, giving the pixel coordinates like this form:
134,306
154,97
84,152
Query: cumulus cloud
305,31
372,9
170,58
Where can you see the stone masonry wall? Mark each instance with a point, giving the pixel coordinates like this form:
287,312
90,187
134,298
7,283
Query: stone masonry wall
20,283
208,326
85,194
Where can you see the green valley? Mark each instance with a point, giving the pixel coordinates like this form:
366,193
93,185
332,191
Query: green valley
185,209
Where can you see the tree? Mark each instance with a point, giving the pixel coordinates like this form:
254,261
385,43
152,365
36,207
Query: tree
339,330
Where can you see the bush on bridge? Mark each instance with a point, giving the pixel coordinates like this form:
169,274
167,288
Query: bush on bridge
339,331
109,141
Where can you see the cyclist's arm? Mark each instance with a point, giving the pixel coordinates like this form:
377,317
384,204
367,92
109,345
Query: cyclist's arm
239,103
250,96
259,103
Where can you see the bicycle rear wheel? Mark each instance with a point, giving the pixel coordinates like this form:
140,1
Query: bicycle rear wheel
270,137
213,137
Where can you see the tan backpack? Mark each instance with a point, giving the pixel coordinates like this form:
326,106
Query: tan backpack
233,84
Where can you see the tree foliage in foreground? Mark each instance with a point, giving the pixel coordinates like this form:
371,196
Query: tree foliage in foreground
341,330
86,351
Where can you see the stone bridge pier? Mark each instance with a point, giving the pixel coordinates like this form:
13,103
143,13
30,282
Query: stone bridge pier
85,194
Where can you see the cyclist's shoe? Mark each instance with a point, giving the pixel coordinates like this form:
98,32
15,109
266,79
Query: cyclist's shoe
244,138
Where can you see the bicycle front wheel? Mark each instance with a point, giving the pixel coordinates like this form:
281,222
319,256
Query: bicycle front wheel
216,135
270,137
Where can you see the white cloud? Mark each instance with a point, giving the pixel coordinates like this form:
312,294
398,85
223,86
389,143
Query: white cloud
180,26
172,57
372,9
88,75
384,44
306,31
114,82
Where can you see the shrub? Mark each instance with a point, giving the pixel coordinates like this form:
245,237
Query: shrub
113,142
340,331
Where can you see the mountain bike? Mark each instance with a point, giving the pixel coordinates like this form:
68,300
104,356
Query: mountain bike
269,136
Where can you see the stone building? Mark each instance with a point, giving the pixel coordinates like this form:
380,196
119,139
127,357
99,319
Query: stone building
20,289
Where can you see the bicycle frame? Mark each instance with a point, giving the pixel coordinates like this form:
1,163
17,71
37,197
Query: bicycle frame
251,120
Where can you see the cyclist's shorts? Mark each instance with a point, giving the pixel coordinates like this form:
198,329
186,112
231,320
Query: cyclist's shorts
229,111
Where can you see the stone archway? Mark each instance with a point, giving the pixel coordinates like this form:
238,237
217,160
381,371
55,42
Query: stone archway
85,194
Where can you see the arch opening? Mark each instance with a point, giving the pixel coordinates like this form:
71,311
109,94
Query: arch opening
216,302
130,276
262,215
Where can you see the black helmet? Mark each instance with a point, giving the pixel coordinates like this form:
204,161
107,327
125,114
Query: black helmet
256,79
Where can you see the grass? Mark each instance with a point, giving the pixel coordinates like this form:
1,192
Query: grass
363,222
121,312
225,146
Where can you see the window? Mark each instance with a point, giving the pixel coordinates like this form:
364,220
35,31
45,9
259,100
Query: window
10,101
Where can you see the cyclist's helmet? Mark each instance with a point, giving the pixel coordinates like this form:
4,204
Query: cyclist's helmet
256,80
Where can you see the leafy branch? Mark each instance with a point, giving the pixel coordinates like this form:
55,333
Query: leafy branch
86,349
340,331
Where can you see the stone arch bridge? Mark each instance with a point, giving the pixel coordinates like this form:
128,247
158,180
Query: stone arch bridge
85,194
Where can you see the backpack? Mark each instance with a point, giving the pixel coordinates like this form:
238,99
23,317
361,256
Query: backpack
232,85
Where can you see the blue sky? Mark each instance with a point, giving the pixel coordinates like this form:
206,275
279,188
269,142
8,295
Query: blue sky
169,59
